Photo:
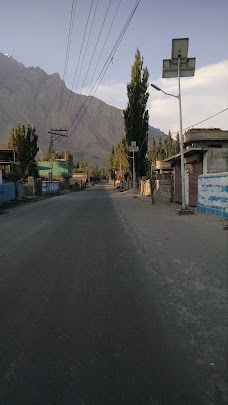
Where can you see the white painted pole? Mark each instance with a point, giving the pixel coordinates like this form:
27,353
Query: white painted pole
133,170
181,144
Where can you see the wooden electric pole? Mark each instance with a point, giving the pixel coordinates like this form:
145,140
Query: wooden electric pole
54,135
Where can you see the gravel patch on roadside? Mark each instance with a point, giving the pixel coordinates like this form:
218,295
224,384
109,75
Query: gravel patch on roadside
187,259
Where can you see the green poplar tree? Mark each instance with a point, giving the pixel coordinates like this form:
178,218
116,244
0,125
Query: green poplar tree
152,153
169,146
160,153
136,114
24,141
120,160
31,150
177,145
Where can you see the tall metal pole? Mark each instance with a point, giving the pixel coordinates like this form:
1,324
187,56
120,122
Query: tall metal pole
133,170
51,171
181,143
151,183
54,133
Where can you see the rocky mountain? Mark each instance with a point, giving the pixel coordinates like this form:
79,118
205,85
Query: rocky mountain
29,95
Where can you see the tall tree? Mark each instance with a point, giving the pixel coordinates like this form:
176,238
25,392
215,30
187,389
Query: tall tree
177,145
160,153
169,145
47,155
111,164
120,159
24,140
136,115
152,152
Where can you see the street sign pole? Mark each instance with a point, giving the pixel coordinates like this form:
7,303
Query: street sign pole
133,148
133,170
181,142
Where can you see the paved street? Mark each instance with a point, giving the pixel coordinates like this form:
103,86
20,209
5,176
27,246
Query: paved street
82,319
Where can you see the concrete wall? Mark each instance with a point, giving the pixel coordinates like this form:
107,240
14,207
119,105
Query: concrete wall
63,169
213,194
215,160
7,192
193,170
51,187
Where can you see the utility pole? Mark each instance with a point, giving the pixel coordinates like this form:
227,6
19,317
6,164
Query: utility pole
121,176
55,134
134,176
133,148
151,183
180,65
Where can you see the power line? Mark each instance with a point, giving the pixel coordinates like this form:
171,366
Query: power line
106,65
75,151
83,105
200,122
114,17
70,108
80,53
72,16
100,55
108,61
95,48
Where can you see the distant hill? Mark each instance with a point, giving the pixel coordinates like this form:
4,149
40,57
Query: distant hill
29,95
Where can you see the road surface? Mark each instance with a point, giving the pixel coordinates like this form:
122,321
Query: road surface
80,320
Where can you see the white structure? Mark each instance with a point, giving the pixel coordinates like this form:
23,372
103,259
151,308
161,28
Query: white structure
213,194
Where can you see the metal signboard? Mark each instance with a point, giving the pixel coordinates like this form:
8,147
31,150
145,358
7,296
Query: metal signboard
187,68
133,148
179,49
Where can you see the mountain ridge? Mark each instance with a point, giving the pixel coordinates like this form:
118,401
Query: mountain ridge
30,95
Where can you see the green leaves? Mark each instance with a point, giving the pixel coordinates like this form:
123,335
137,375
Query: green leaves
118,158
24,141
163,149
177,146
136,115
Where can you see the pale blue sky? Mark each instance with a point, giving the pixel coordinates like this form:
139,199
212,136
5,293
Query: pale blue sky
35,33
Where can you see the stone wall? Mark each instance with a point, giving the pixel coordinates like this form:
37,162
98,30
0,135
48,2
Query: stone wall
145,188
164,190
192,171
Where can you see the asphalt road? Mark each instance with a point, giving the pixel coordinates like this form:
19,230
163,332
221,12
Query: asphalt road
80,321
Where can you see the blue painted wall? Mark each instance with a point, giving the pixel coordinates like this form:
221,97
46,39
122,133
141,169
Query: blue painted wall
7,192
213,194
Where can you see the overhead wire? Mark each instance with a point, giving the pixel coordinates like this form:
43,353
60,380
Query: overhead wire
64,141
83,105
200,122
94,51
96,46
103,45
74,150
79,75
107,63
106,66
80,53
106,40
71,24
